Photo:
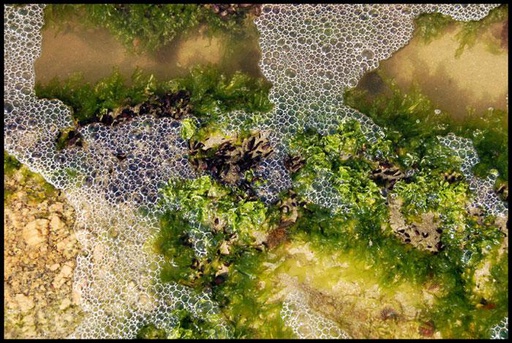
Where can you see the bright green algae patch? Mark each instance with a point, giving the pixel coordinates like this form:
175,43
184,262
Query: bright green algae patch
13,166
209,242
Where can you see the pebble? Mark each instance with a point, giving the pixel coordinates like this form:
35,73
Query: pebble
56,223
54,267
33,232
56,207
65,304
33,265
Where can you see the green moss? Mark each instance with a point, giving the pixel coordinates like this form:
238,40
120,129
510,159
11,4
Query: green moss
193,327
370,241
340,164
226,219
455,313
139,27
89,101
213,92
427,191
489,133
204,216
148,27
430,26
472,30
410,122
36,194
150,331
11,164
244,301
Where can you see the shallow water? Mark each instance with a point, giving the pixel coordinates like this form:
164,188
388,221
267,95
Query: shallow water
95,53
477,79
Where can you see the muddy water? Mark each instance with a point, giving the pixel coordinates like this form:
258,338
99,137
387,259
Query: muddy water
95,53
477,79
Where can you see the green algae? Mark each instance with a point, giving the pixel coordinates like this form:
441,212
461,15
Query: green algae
11,164
212,92
150,331
464,313
411,123
88,101
229,261
471,30
148,27
430,26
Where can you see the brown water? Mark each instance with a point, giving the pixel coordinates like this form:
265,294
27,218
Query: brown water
477,79
95,53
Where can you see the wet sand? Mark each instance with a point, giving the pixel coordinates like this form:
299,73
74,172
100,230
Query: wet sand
477,79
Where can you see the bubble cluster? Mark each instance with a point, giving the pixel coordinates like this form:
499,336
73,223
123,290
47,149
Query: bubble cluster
310,53
500,330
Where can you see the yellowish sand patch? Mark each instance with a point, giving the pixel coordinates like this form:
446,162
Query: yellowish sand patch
477,79
341,288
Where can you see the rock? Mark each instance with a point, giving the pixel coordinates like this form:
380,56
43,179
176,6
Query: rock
57,207
66,271
34,232
56,223
62,277
54,267
25,303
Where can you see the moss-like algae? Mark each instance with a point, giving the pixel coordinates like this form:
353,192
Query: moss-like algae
411,123
148,27
430,26
211,92
229,261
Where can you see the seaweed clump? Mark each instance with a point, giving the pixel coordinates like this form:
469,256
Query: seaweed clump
212,237
413,123
205,93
